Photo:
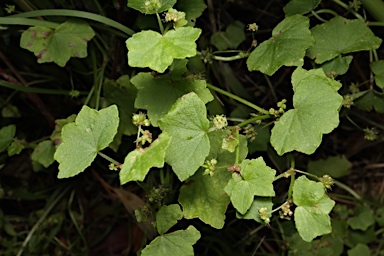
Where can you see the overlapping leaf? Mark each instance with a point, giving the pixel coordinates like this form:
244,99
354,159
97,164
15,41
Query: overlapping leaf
167,216
60,44
177,243
370,100
255,180
192,8
378,69
138,162
313,207
290,39
231,38
43,153
91,132
187,124
203,196
340,36
6,136
253,211
300,6
316,112
337,66
334,166
156,51
158,94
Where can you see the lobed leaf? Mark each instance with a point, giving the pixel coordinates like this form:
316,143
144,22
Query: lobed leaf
340,36
91,132
187,124
58,45
167,216
156,51
151,6
316,112
290,39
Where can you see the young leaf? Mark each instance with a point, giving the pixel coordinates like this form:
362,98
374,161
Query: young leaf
316,112
360,249
56,134
123,94
371,100
187,124
151,6
158,94
334,166
290,39
340,36
300,6
177,243
337,66
138,162
44,152
167,216
255,180
6,136
91,132
58,45
378,69
156,51
313,207
15,148
231,38
363,218
253,212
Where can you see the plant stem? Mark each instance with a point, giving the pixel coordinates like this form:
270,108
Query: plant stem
375,8
113,161
348,189
339,2
28,22
238,146
237,98
230,58
251,120
160,23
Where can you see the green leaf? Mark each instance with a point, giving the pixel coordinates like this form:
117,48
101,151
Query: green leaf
313,207
123,94
262,138
177,243
16,147
192,8
44,152
151,6
56,134
167,216
203,197
290,39
316,112
359,249
253,211
378,69
187,124
91,132
255,180
363,219
231,38
300,6
156,51
371,100
340,36
6,136
138,162
58,45
335,166
379,216
337,66
158,94
10,111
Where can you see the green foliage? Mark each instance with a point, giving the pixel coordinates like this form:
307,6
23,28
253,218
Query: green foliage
340,36
60,44
138,162
334,166
190,134
157,51
187,124
316,112
177,243
167,216
91,132
290,39
255,179
313,207
158,94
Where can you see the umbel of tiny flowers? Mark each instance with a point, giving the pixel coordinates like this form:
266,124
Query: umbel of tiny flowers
210,166
327,181
264,215
220,122
140,120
